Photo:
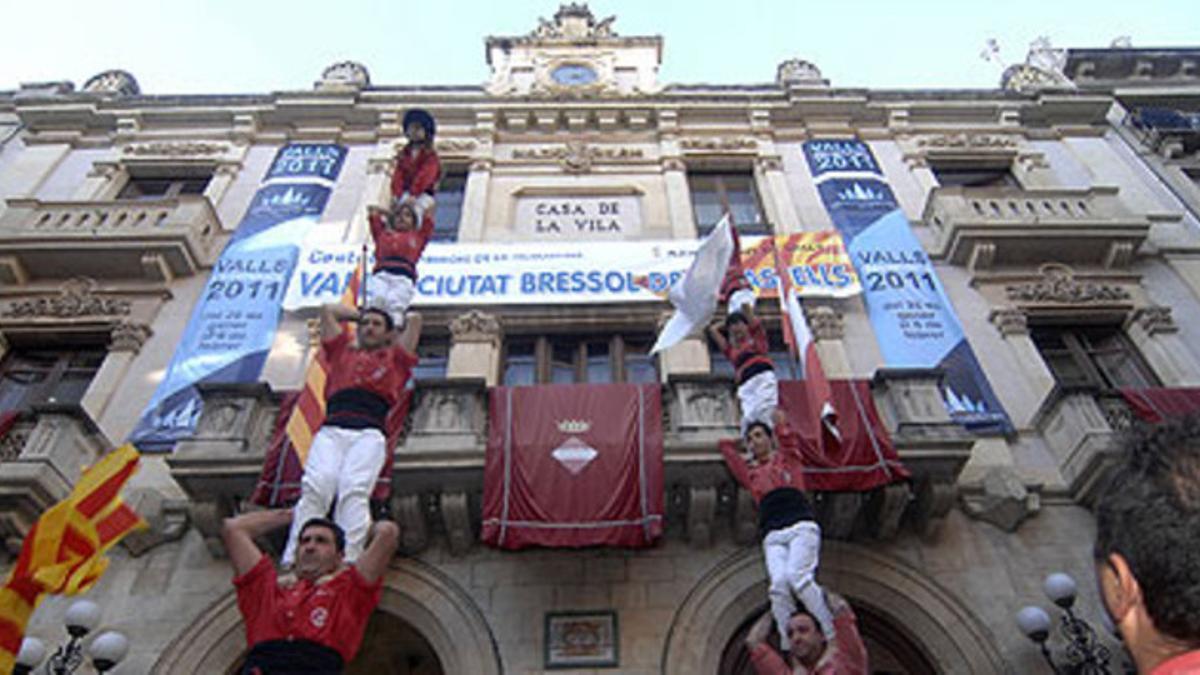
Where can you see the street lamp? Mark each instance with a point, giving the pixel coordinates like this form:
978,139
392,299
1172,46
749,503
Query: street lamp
1084,653
82,617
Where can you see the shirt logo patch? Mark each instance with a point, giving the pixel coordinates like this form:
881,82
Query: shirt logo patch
318,617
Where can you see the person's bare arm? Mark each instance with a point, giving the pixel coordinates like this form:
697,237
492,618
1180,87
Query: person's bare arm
747,310
332,316
239,532
759,632
718,338
411,337
374,561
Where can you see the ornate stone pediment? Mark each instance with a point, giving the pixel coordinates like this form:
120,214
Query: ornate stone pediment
573,21
475,326
344,74
1059,285
799,71
966,141
77,298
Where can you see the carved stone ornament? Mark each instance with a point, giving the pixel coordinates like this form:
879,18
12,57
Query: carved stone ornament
798,71
76,299
129,337
966,141
117,82
1155,319
573,21
577,156
176,148
1059,285
475,326
455,145
718,144
1024,77
345,74
769,163
1010,321
826,323
673,164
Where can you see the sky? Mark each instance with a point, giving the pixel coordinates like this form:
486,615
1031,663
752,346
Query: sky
260,46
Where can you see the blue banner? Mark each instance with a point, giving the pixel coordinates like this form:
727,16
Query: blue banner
233,325
839,155
914,322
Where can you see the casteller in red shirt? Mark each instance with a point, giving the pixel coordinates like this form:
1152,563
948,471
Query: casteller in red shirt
398,251
363,384
847,656
331,611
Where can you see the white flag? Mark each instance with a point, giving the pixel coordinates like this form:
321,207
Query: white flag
695,293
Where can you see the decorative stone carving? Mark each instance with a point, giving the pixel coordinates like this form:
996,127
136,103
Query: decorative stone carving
577,156
967,141
1154,319
826,323
769,163
12,442
673,164
482,165
167,520
176,148
702,511
129,337
117,82
105,170
718,144
573,21
1005,502
380,165
456,516
1059,285
838,512
455,145
345,74
475,326
1010,321
414,532
798,71
76,299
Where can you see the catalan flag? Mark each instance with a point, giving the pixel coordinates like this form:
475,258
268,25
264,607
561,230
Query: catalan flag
63,552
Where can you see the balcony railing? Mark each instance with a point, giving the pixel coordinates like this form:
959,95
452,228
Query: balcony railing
156,239
983,227
438,468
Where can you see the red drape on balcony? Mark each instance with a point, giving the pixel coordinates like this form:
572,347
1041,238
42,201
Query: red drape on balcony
8,418
1158,404
862,459
279,483
574,465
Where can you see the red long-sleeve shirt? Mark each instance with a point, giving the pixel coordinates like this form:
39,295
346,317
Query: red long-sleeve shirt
749,357
416,172
850,657
400,251
784,468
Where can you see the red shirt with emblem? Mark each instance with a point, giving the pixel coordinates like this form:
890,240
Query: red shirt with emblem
331,611
394,248
749,357
784,468
850,657
383,371
416,172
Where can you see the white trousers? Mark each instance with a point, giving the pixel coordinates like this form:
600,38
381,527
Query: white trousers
345,463
792,555
739,299
759,396
393,293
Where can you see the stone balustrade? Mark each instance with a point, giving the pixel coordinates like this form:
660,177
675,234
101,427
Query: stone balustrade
986,227
158,239
41,457
438,466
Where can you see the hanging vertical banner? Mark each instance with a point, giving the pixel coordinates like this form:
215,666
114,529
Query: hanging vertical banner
234,322
913,319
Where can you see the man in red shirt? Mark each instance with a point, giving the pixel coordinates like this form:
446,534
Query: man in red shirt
809,652
365,381
312,620
1147,548
398,248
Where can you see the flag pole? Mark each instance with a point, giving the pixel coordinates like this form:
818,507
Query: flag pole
362,279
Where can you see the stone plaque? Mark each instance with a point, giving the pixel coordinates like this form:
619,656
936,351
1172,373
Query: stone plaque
557,218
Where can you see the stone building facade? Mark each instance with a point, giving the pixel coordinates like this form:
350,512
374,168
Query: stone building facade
1067,245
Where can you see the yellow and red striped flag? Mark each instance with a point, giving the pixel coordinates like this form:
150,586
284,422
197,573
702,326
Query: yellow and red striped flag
309,413
63,552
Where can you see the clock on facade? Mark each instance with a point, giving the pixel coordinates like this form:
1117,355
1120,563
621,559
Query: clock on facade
573,75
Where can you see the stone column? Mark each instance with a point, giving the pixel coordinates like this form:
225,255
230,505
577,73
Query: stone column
475,347
828,330
1034,375
475,195
375,191
1156,335
674,173
773,189
126,341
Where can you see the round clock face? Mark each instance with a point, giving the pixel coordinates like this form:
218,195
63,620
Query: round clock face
573,75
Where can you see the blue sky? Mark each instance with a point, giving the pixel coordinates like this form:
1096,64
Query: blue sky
237,46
